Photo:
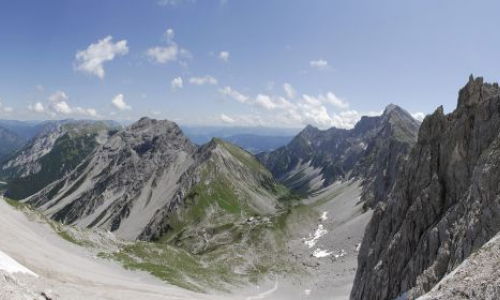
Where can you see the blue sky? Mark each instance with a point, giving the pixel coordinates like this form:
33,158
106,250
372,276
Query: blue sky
281,63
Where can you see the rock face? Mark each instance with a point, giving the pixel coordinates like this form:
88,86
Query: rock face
373,150
149,180
55,151
445,204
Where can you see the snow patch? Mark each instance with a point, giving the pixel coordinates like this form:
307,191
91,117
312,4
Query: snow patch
307,292
342,253
324,216
318,253
11,266
313,239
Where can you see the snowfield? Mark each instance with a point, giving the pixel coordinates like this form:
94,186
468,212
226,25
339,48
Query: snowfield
11,266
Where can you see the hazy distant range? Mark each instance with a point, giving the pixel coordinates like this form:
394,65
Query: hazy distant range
252,139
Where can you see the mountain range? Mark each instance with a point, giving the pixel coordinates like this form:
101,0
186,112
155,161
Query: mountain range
415,204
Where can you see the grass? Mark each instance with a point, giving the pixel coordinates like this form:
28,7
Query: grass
16,204
174,266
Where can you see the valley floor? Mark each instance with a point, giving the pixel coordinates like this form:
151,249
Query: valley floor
327,247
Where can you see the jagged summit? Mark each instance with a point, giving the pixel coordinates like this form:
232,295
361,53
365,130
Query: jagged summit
476,91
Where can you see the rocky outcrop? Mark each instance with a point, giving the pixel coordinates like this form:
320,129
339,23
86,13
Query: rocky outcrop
445,203
149,180
477,278
373,151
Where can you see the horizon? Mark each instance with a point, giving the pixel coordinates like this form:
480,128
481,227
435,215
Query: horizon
243,128
235,63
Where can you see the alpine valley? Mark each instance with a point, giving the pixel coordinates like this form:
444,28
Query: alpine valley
390,209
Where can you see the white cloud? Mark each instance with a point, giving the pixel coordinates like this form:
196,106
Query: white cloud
229,92
329,98
203,80
226,119
302,111
289,90
163,55
176,83
119,102
173,2
92,59
224,56
169,34
319,64
170,53
5,109
272,103
420,116
62,108
90,112
58,103
58,96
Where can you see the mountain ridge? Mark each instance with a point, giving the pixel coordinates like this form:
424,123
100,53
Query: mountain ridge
308,164
145,170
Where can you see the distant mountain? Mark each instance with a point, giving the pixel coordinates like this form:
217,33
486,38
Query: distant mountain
150,182
252,139
9,142
26,130
57,149
256,143
445,206
373,150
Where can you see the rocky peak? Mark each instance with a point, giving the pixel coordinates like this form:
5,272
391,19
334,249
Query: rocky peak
476,91
394,112
155,127
389,108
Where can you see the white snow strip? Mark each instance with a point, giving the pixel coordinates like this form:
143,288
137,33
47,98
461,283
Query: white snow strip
11,266
3,182
307,292
318,253
324,216
313,239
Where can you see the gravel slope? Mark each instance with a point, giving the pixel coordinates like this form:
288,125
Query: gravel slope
67,271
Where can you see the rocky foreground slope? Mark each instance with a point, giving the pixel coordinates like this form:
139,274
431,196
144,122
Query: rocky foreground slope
445,204
477,278
150,182
373,150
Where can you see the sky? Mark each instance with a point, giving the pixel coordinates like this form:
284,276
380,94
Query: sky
276,63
